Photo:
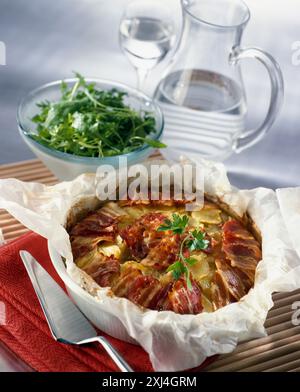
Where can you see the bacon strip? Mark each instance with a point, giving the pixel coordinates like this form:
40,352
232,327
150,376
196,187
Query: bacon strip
241,248
122,285
96,224
104,270
82,245
149,292
220,293
86,235
163,254
138,288
183,300
143,290
142,233
231,279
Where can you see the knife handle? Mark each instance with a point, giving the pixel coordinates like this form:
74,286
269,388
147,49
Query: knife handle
114,354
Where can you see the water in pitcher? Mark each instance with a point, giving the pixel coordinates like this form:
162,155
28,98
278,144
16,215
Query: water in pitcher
207,105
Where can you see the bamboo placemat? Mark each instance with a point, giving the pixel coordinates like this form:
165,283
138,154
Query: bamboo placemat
279,351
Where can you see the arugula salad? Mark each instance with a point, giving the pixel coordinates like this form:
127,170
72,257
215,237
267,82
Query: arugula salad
90,122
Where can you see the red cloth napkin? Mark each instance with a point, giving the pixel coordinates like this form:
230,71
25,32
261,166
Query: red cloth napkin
26,332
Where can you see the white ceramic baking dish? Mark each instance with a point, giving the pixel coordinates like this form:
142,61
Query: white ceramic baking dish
88,304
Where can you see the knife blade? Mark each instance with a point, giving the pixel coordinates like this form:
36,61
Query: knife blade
67,324
65,320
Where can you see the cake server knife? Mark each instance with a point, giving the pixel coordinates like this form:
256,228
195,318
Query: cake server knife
67,324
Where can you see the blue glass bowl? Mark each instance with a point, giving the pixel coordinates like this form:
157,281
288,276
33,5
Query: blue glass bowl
67,166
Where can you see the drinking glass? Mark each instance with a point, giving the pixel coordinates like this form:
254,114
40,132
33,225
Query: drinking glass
147,33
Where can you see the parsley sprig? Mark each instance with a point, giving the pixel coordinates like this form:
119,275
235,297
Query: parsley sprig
194,240
90,122
177,225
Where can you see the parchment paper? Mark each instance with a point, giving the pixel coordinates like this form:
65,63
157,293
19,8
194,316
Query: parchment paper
174,342
1,237
289,202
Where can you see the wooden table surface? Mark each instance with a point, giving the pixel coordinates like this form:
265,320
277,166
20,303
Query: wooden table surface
279,351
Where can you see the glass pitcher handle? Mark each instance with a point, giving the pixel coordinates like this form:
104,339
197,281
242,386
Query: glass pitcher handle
249,138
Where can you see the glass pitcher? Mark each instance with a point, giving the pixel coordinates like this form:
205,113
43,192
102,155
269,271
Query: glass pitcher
203,95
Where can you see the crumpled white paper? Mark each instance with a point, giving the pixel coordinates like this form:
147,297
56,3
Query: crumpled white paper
289,202
2,241
174,342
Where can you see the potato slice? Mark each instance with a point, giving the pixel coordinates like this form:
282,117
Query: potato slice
208,214
117,249
136,265
113,209
201,268
135,212
85,260
205,283
207,305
